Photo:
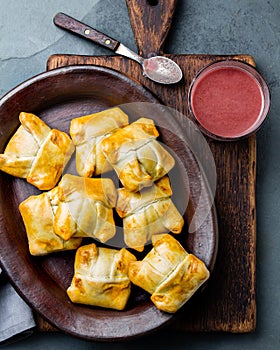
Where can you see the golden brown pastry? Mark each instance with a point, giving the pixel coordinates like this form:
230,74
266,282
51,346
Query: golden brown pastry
148,212
38,216
169,273
135,154
87,132
78,207
100,277
36,152
85,208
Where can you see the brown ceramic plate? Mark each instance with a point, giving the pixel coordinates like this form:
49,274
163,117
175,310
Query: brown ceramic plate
57,96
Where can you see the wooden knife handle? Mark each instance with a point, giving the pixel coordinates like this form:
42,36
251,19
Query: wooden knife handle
150,21
74,26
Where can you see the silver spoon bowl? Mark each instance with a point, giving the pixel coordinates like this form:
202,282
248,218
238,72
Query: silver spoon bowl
159,69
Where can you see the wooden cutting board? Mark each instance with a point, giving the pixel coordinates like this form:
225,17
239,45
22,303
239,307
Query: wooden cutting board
230,302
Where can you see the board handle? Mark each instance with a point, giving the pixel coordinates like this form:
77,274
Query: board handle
74,26
150,21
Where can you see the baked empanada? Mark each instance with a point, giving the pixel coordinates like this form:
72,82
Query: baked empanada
85,208
135,154
87,132
169,273
148,212
38,216
36,152
100,277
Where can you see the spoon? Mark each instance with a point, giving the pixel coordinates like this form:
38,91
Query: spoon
158,68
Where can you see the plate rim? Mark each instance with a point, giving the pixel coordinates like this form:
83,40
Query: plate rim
29,82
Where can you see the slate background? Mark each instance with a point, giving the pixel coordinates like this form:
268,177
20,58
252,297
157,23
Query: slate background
28,37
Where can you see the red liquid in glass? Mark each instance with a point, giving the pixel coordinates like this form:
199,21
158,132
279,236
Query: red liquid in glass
227,101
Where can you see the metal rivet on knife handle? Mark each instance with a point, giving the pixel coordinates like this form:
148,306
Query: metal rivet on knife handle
160,69
72,25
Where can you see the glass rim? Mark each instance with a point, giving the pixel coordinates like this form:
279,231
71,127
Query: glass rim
258,78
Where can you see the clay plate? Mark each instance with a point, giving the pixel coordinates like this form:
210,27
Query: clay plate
57,96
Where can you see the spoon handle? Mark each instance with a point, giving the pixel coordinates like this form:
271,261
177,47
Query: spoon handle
71,24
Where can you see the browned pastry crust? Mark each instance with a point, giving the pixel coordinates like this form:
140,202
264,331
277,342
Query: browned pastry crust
38,216
100,277
148,212
168,273
135,154
78,207
36,152
85,208
87,132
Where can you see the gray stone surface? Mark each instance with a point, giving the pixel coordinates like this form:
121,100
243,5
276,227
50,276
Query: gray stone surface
28,38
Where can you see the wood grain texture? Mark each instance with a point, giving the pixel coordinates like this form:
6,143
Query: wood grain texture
150,22
230,302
